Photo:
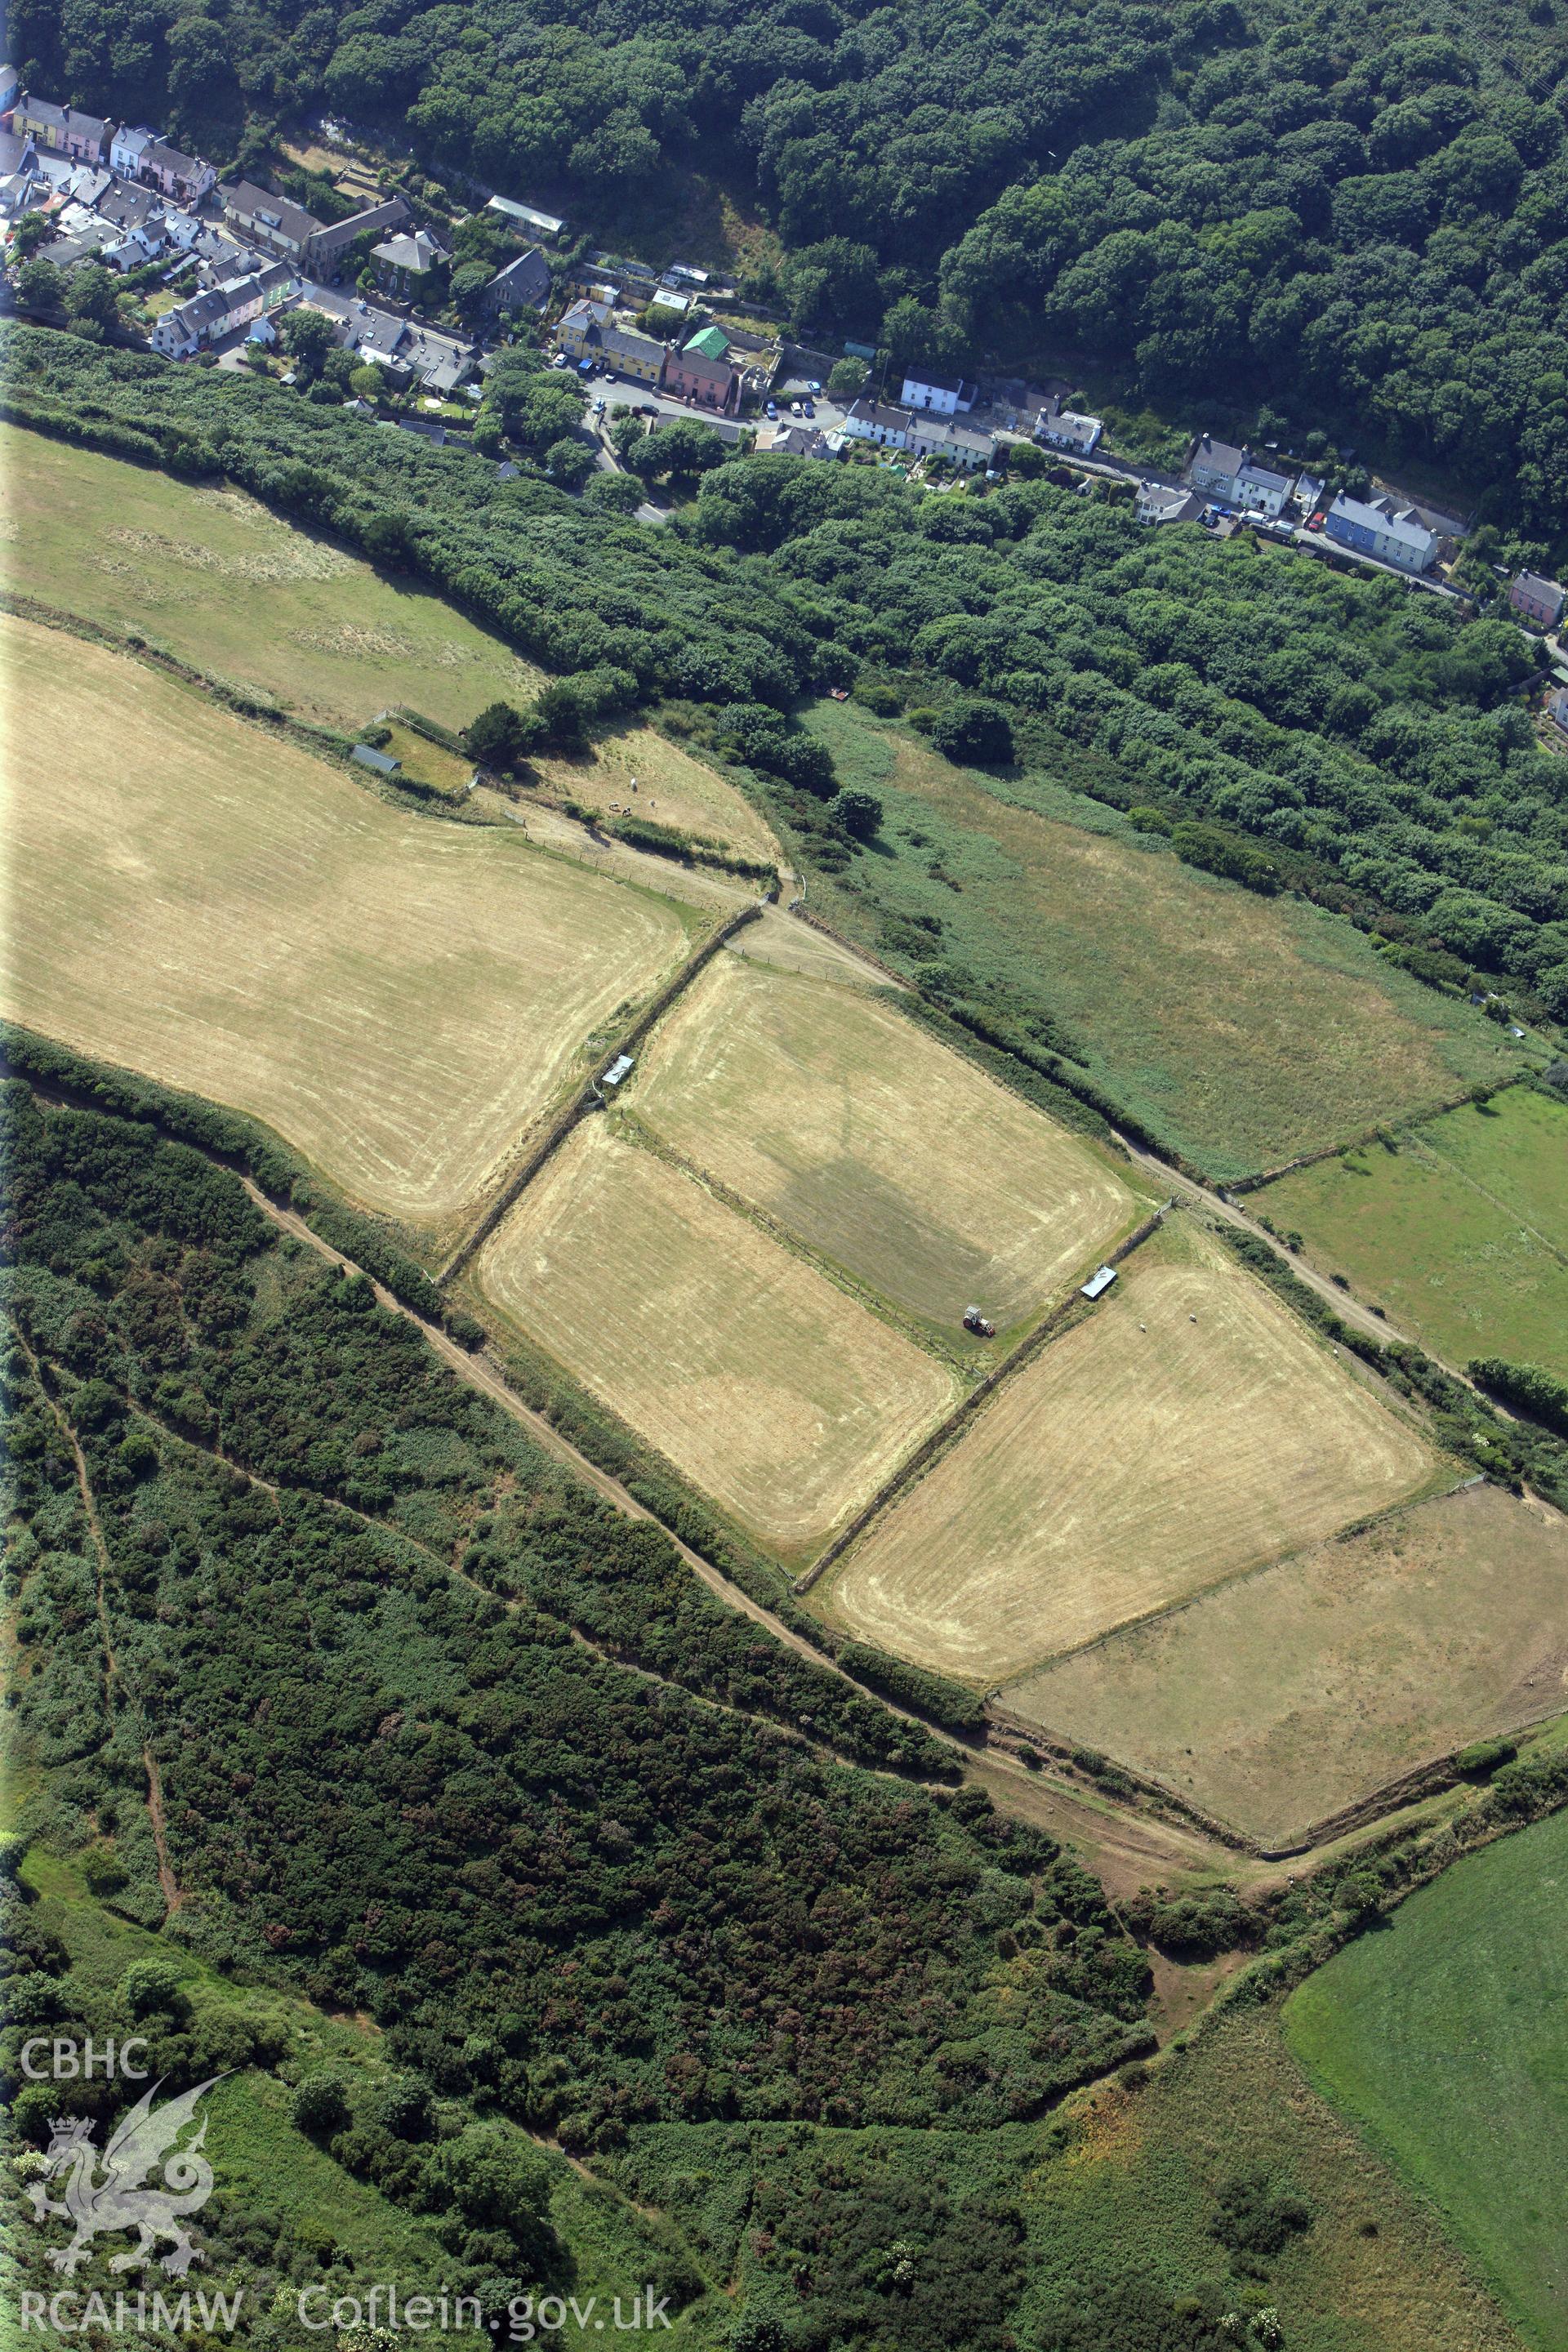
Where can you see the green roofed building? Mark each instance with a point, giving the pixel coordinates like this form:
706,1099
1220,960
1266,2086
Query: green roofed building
713,343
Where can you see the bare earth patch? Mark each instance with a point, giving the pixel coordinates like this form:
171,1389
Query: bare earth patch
1190,1429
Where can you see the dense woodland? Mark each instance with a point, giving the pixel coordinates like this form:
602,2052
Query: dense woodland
443,1738
1292,725
1356,218
421,1754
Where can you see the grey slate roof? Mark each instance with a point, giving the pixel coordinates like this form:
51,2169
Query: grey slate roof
526,279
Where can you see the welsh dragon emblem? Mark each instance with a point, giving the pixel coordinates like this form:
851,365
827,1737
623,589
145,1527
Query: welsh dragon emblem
115,2199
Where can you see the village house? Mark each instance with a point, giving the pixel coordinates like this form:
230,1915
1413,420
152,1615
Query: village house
1066,428
140,225
186,232
791,441
127,148
77,187
184,179
627,354
292,233
869,420
1213,466
278,282
405,265
524,216
206,318
1377,526
943,396
61,130
88,240
519,284
1155,502
1441,526
23,190
711,342
128,206
706,383
944,436
1537,600
329,245
1556,715
670,310
571,333
263,219
1260,491
410,351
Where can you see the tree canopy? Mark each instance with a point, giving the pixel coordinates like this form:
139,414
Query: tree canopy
1360,220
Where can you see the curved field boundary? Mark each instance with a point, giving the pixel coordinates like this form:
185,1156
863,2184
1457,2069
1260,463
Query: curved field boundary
1407,1788
589,1096
964,1412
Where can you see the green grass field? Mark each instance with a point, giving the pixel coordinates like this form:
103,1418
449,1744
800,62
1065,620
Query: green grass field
1446,2037
214,578
1462,1234
1243,1030
1136,2194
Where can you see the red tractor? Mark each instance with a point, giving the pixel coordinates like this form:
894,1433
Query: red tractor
974,1322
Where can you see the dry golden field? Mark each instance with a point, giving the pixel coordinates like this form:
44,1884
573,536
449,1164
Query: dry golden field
1187,1430
880,1146
763,1382
1287,1695
211,575
214,577
395,996
672,789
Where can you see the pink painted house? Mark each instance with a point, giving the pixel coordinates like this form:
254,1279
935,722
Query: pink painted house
1537,600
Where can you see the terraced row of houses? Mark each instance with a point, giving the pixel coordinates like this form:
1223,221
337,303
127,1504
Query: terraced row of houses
1383,528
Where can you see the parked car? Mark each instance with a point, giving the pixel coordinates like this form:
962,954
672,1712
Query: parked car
808,408
1314,522
814,387
560,359
772,412
795,408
